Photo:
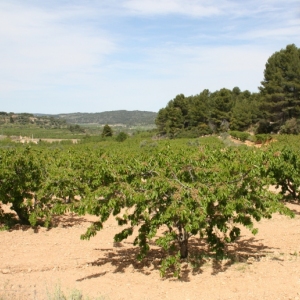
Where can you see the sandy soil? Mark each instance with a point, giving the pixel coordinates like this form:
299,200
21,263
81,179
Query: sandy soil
34,261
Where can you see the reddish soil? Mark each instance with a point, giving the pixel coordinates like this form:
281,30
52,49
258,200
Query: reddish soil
32,261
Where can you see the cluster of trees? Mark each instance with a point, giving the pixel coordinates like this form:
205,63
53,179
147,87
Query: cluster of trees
32,120
209,112
275,108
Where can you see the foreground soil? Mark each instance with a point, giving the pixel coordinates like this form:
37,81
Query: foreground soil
34,261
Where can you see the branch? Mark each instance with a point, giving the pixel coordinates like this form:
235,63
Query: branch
177,180
237,180
209,185
149,173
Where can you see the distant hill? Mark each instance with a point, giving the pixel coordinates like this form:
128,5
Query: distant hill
22,119
123,117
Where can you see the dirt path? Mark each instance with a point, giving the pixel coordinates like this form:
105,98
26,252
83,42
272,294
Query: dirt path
31,261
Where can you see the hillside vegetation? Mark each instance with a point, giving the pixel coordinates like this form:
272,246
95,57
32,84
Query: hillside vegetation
67,126
29,125
30,119
124,117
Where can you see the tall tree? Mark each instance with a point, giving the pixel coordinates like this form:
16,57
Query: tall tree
171,119
198,109
221,104
245,111
281,86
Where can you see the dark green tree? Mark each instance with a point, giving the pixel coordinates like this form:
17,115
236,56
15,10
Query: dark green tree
221,104
198,109
76,129
236,90
107,131
281,87
175,121
245,111
161,120
174,117
181,102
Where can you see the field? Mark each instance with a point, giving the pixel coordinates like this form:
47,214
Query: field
35,262
37,132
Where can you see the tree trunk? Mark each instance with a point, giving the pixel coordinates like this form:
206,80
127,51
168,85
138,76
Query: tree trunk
183,241
22,214
183,248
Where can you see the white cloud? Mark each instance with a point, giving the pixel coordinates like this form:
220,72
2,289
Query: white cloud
206,64
201,8
286,33
192,7
84,56
37,43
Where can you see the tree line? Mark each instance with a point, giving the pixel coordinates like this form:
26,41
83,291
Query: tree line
274,108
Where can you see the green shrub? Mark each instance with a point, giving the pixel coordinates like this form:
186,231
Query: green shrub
262,138
239,135
291,126
121,137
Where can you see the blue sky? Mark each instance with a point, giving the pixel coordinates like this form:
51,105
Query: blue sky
93,56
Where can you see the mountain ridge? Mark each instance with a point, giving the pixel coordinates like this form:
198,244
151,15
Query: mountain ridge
135,117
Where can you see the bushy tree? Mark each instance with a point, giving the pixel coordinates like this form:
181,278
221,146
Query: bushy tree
169,196
291,126
76,129
121,137
107,131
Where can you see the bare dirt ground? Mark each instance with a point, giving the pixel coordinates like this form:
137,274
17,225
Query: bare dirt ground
32,261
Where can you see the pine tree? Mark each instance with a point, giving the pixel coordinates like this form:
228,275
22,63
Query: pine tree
281,86
221,103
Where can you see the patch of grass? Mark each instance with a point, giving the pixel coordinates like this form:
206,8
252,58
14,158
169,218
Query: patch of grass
295,253
58,294
242,267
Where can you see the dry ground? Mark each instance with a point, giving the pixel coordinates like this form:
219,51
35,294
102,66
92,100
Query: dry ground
32,261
